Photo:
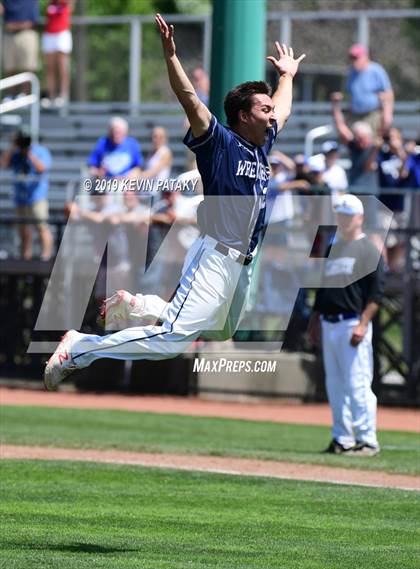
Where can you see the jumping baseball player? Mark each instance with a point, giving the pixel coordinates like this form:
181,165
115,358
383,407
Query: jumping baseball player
234,169
345,314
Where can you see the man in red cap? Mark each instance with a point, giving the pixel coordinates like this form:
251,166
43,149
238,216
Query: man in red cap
369,87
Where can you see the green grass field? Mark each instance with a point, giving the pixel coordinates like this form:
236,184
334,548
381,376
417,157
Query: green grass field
151,432
71,515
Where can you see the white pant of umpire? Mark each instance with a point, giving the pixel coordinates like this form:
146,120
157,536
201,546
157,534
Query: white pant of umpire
349,374
211,298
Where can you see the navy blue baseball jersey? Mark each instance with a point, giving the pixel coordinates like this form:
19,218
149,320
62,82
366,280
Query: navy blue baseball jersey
238,170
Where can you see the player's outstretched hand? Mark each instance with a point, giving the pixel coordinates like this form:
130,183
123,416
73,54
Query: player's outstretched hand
166,35
285,64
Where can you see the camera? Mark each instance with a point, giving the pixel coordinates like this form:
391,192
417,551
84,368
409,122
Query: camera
23,141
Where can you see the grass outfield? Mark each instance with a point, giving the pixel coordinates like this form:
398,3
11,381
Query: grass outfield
76,515
152,432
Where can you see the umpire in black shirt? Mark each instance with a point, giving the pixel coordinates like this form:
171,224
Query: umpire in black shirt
343,313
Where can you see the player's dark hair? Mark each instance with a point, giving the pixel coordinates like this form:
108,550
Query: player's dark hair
240,99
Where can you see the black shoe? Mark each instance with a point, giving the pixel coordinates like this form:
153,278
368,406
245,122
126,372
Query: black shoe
364,449
336,448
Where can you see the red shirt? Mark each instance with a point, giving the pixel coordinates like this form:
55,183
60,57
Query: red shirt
58,17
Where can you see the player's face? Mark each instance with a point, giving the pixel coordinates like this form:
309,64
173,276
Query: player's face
349,225
260,119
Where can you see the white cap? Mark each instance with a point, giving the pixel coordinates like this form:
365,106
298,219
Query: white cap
317,163
329,146
349,205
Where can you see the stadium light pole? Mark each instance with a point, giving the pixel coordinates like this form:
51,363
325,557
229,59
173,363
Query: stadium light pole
238,47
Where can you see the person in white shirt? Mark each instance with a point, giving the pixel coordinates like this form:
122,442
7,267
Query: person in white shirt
334,175
159,161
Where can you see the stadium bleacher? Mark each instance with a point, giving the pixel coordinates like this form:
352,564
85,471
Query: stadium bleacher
71,136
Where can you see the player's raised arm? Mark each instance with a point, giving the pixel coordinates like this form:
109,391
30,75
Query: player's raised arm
286,66
197,113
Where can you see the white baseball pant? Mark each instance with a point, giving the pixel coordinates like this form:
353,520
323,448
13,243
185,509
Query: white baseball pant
210,298
349,374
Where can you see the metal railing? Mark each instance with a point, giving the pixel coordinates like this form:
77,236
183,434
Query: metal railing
315,133
285,19
32,100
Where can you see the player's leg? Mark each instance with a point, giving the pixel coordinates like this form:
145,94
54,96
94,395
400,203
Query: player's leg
123,306
201,302
358,365
236,310
338,397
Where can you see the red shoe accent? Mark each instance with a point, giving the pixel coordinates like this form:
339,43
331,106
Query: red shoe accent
62,358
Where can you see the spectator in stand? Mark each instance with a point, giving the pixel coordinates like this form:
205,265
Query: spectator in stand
303,178
410,172
201,82
135,218
57,46
102,218
163,215
316,212
30,164
371,94
280,209
159,162
391,158
363,177
334,175
20,41
360,142
187,204
116,155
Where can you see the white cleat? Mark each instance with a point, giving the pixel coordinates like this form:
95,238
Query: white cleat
364,449
61,364
122,306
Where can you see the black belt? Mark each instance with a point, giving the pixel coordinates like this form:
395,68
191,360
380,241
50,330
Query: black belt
339,317
241,258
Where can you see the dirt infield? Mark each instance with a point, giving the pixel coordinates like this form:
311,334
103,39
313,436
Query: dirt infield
227,465
393,419
278,412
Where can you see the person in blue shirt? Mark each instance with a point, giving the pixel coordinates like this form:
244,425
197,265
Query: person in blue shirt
116,155
410,171
234,168
390,159
370,91
30,164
